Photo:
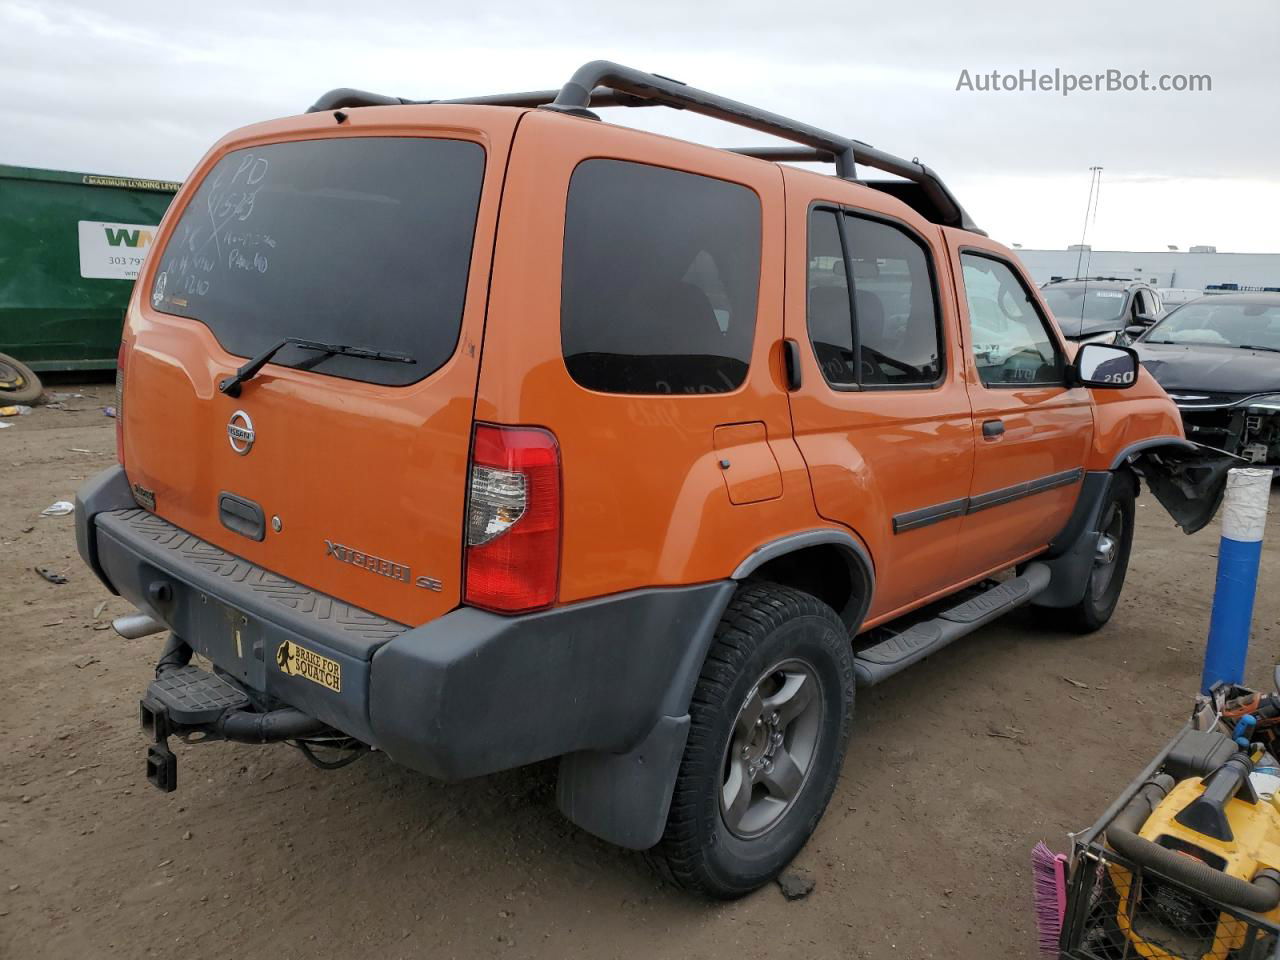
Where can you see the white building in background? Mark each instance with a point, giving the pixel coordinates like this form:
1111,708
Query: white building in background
1196,268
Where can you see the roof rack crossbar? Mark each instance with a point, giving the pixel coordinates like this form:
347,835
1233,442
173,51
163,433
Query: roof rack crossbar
575,97
602,83
600,97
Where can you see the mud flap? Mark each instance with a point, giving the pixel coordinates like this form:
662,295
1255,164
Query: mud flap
1188,483
1070,554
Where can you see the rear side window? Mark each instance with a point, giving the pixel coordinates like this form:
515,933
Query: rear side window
661,273
363,241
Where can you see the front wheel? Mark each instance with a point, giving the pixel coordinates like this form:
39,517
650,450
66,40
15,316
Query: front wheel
768,726
1110,561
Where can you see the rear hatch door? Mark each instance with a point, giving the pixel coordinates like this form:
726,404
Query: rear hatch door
346,474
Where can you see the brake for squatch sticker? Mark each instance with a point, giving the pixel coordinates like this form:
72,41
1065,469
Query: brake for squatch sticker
298,661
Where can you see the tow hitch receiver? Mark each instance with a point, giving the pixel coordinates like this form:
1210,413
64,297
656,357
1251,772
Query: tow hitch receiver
162,767
182,700
195,706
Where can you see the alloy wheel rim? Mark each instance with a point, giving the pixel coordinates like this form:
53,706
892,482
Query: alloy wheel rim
771,748
10,378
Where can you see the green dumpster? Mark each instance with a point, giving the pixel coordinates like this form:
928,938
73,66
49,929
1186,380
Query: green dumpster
70,248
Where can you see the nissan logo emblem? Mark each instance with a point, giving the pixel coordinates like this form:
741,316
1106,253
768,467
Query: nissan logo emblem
240,432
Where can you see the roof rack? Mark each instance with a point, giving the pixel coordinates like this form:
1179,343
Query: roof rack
602,83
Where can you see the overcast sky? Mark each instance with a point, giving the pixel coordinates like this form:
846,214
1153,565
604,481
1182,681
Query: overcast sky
142,88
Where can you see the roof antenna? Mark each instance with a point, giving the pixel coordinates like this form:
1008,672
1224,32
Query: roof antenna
1095,191
1095,188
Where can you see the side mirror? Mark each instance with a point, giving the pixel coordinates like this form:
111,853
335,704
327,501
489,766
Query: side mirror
1135,329
1145,319
1105,365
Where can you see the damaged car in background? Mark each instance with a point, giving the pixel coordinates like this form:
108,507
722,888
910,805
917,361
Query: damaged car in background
1101,309
1218,358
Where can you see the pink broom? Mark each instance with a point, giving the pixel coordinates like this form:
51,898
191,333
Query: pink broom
1049,871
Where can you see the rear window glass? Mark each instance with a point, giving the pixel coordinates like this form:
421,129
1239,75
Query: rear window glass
661,270
1087,303
363,241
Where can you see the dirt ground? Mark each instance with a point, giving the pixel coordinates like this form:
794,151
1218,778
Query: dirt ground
957,768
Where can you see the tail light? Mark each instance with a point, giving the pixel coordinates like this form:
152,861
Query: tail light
513,519
121,359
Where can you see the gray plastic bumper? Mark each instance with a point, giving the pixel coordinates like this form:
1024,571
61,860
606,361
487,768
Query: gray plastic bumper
474,692
607,681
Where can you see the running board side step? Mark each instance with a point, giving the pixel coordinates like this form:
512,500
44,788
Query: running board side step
882,661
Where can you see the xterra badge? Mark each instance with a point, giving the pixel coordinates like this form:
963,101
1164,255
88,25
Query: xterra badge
380,566
297,661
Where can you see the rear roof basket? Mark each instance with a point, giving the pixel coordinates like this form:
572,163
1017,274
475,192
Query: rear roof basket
602,83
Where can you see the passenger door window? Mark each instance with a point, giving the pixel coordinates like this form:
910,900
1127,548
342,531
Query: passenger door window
1011,343
887,335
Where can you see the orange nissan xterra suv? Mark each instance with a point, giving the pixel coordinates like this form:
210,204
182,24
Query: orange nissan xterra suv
482,432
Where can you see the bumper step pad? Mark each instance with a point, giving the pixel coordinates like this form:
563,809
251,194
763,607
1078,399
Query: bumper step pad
900,651
184,698
194,697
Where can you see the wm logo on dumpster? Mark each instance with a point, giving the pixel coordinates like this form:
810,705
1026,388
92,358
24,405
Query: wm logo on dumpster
130,238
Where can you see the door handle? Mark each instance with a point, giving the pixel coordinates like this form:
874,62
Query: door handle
992,429
791,363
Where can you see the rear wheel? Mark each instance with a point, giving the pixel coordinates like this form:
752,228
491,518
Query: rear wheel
769,721
1110,561
18,384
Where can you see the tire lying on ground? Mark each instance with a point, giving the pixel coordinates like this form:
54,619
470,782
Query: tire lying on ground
18,384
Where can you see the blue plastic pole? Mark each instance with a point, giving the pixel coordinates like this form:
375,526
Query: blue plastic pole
1244,519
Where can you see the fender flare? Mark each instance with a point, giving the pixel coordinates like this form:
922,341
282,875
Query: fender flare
1150,443
1187,478
625,797
857,557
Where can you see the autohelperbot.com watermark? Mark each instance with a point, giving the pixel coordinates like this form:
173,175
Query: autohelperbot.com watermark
1065,82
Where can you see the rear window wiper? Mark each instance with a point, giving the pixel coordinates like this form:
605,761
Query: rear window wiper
1254,346
231,385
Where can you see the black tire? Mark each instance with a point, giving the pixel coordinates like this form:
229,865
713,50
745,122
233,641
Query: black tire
18,384
765,628
1102,592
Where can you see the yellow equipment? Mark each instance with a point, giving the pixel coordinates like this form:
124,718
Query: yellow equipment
1207,850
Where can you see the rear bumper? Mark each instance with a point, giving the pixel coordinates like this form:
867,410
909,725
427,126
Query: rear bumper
466,694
